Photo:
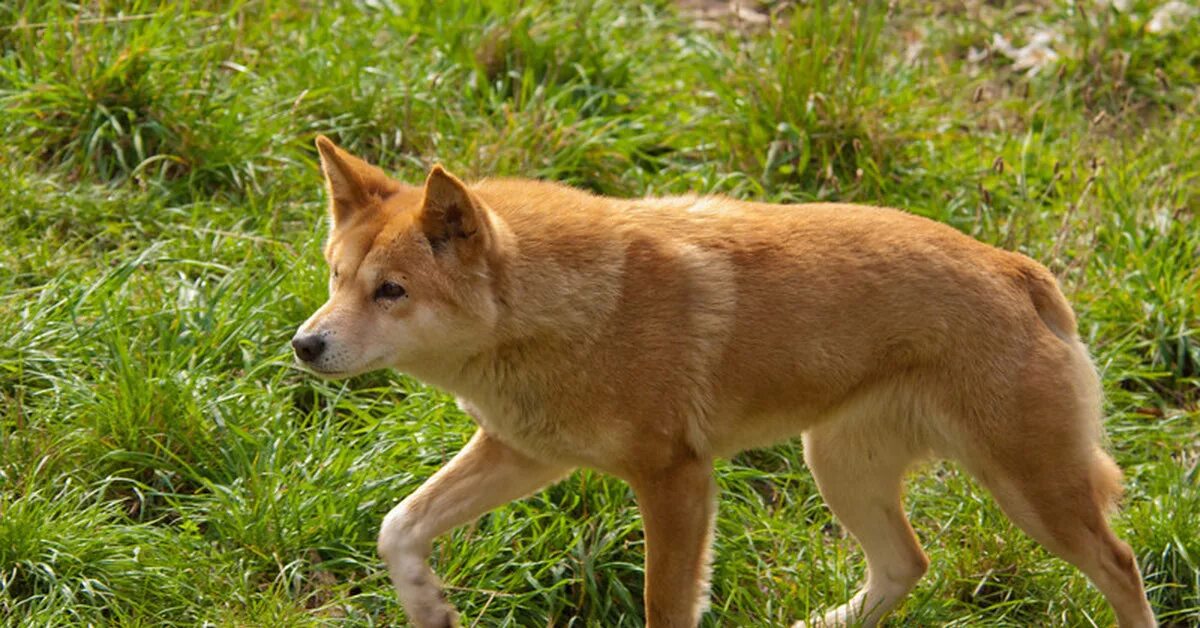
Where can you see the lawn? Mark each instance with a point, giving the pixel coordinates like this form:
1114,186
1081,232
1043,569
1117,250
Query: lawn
161,218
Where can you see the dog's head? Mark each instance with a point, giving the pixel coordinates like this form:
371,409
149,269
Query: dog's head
409,272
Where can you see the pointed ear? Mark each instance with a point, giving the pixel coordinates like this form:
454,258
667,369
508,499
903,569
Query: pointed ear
450,213
351,183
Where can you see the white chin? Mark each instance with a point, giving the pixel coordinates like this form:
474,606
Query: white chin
322,373
331,374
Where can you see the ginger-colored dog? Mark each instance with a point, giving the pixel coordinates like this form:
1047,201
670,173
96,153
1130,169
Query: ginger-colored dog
646,337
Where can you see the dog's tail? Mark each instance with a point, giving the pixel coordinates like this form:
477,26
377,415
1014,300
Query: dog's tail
1056,313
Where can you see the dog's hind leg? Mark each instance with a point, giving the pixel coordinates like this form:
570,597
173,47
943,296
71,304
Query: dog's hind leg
1062,505
484,475
860,473
1058,493
1063,510
1045,466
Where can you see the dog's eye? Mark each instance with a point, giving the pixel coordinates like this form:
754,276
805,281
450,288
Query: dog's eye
390,291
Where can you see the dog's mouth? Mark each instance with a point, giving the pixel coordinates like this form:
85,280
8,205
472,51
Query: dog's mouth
330,374
322,373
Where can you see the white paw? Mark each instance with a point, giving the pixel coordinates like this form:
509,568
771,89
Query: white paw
421,594
439,616
843,616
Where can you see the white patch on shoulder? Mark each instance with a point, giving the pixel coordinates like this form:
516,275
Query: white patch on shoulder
710,323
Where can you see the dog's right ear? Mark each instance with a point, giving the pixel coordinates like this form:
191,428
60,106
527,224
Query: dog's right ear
353,185
451,214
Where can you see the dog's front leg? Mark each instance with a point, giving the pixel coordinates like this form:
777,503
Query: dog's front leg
678,505
484,475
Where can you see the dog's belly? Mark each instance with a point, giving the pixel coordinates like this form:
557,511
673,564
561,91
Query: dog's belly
734,434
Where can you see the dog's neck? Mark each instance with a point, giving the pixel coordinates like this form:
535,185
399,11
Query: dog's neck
550,321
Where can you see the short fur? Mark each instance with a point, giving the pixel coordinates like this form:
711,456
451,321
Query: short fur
646,337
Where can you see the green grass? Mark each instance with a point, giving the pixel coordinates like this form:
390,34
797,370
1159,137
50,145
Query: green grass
161,461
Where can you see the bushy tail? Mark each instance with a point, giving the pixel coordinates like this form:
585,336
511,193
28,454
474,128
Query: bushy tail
1056,313
1106,480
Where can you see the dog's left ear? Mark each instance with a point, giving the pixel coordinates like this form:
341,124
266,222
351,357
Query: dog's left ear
353,184
450,213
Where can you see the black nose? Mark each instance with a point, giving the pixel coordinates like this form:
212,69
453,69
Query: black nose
308,348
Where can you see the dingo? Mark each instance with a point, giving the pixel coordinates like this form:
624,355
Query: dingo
645,337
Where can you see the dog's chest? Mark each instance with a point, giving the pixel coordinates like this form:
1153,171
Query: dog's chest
507,421
531,429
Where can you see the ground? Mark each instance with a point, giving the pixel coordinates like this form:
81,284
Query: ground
162,461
